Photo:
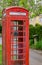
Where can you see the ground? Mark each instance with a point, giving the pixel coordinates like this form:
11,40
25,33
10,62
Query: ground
35,57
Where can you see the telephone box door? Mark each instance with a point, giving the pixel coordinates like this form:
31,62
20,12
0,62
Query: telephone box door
18,42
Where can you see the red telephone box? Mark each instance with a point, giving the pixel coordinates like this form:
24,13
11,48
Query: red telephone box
15,36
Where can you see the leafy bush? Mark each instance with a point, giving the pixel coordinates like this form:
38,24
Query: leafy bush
39,45
0,29
38,30
0,54
35,30
31,31
31,42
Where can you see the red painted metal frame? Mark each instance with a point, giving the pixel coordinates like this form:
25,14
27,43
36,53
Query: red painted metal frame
7,20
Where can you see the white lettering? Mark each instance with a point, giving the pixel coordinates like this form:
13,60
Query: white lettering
18,13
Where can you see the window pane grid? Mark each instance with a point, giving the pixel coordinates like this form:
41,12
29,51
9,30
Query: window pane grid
17,44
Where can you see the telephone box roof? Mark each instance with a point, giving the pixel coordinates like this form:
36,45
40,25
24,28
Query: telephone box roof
15,7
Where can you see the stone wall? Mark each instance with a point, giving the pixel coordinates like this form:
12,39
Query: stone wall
35,20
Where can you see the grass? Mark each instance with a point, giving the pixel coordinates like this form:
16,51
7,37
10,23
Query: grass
0,54
38,45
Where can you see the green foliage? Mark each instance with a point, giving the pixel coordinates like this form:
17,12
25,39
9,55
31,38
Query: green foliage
0,29
32,31
0,54
0,13
28,4
24,3
31,42
38,10
39,45
37,29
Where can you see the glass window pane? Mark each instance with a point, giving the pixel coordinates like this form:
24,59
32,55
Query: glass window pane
15,22
18,30
15,46
15,39
15,52
15,33
14,57
15,28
